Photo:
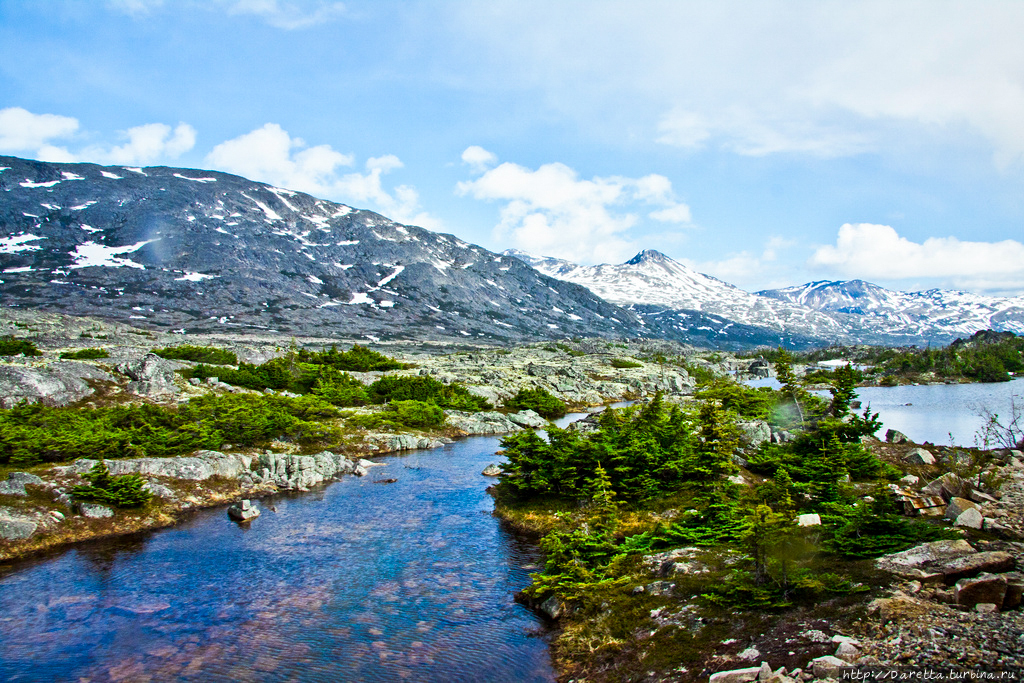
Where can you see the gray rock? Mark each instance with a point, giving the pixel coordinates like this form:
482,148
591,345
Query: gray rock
910,480
151,376
243,511
1014,590
749,654
953,568
94,510
985,588
16,528
919,456
949,486
912,561
552,607
491,470
55,384
202,465
528,419
15,484
755,433
957,506
895,436
847,652
735,675
811,519
970,518
824,667
482,423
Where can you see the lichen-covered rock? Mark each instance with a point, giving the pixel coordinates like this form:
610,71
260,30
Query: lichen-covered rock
300,472
528,418
202,465
482,423
55,384
94,510
755,432
151,376
914,560
491,470
16,527
15,484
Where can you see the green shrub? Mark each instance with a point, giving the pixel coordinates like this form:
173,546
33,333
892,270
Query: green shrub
85,354
538,400
339,388
427,389
31,434
123,491
15,346
198,354
748,402
403,415
357,359
622,363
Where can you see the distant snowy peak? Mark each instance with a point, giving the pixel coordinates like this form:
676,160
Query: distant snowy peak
933,312
650,277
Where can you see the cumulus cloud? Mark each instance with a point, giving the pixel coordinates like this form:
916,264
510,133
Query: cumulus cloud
478,158
870,251
552,211
747,268
22,131
146,144
271,155
288,15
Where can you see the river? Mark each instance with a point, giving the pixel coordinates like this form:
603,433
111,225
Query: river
948,414
358,581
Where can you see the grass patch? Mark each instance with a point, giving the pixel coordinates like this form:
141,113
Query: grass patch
85,354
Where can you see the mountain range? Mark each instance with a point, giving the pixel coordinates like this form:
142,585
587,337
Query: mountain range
848,312
200,251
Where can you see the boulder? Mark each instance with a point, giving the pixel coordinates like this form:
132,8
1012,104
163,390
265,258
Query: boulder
981,589
151,376
827,666
949,486
847,652
15,484
957,506
910,480
750,654
243,511
491,470
953,568
970,518
919,456
528,418
482,423
94,510
911,562
56,384
16,528
894,436
552,607
1014,590
755,433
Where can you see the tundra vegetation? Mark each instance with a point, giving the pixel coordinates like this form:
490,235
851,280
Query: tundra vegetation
659,476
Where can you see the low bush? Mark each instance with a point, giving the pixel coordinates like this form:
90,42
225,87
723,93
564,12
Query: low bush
357,359
538,400
427,389
31,434
403,415
123,491
16,346
198,354
622,363
85,354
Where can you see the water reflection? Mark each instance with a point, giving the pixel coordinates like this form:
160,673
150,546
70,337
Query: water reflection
357,582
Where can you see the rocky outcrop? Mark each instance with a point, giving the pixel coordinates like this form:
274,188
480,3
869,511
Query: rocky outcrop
202,465
243,511
483,423
948,561
528,419
300,472
16,526
15,484
389,443
54,384
151,376
754,433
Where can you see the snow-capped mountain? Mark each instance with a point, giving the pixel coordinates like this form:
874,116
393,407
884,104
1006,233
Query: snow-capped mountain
201,250
946,312
842,312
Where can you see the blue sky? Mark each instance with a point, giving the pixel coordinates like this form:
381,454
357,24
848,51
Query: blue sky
765,143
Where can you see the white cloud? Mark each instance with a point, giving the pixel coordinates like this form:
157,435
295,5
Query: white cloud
478,158
748,269
146,144
269,154
23,131
289,15
877,252
822,79
552,211
135,7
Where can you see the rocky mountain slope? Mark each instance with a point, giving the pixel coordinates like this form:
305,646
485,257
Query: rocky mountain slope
203,251
844,312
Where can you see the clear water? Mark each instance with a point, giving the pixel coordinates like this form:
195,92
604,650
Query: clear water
356,582
948,414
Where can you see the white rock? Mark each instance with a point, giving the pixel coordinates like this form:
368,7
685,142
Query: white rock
811,519
970,518
735,675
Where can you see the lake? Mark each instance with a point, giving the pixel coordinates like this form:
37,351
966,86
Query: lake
949,414
354,582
